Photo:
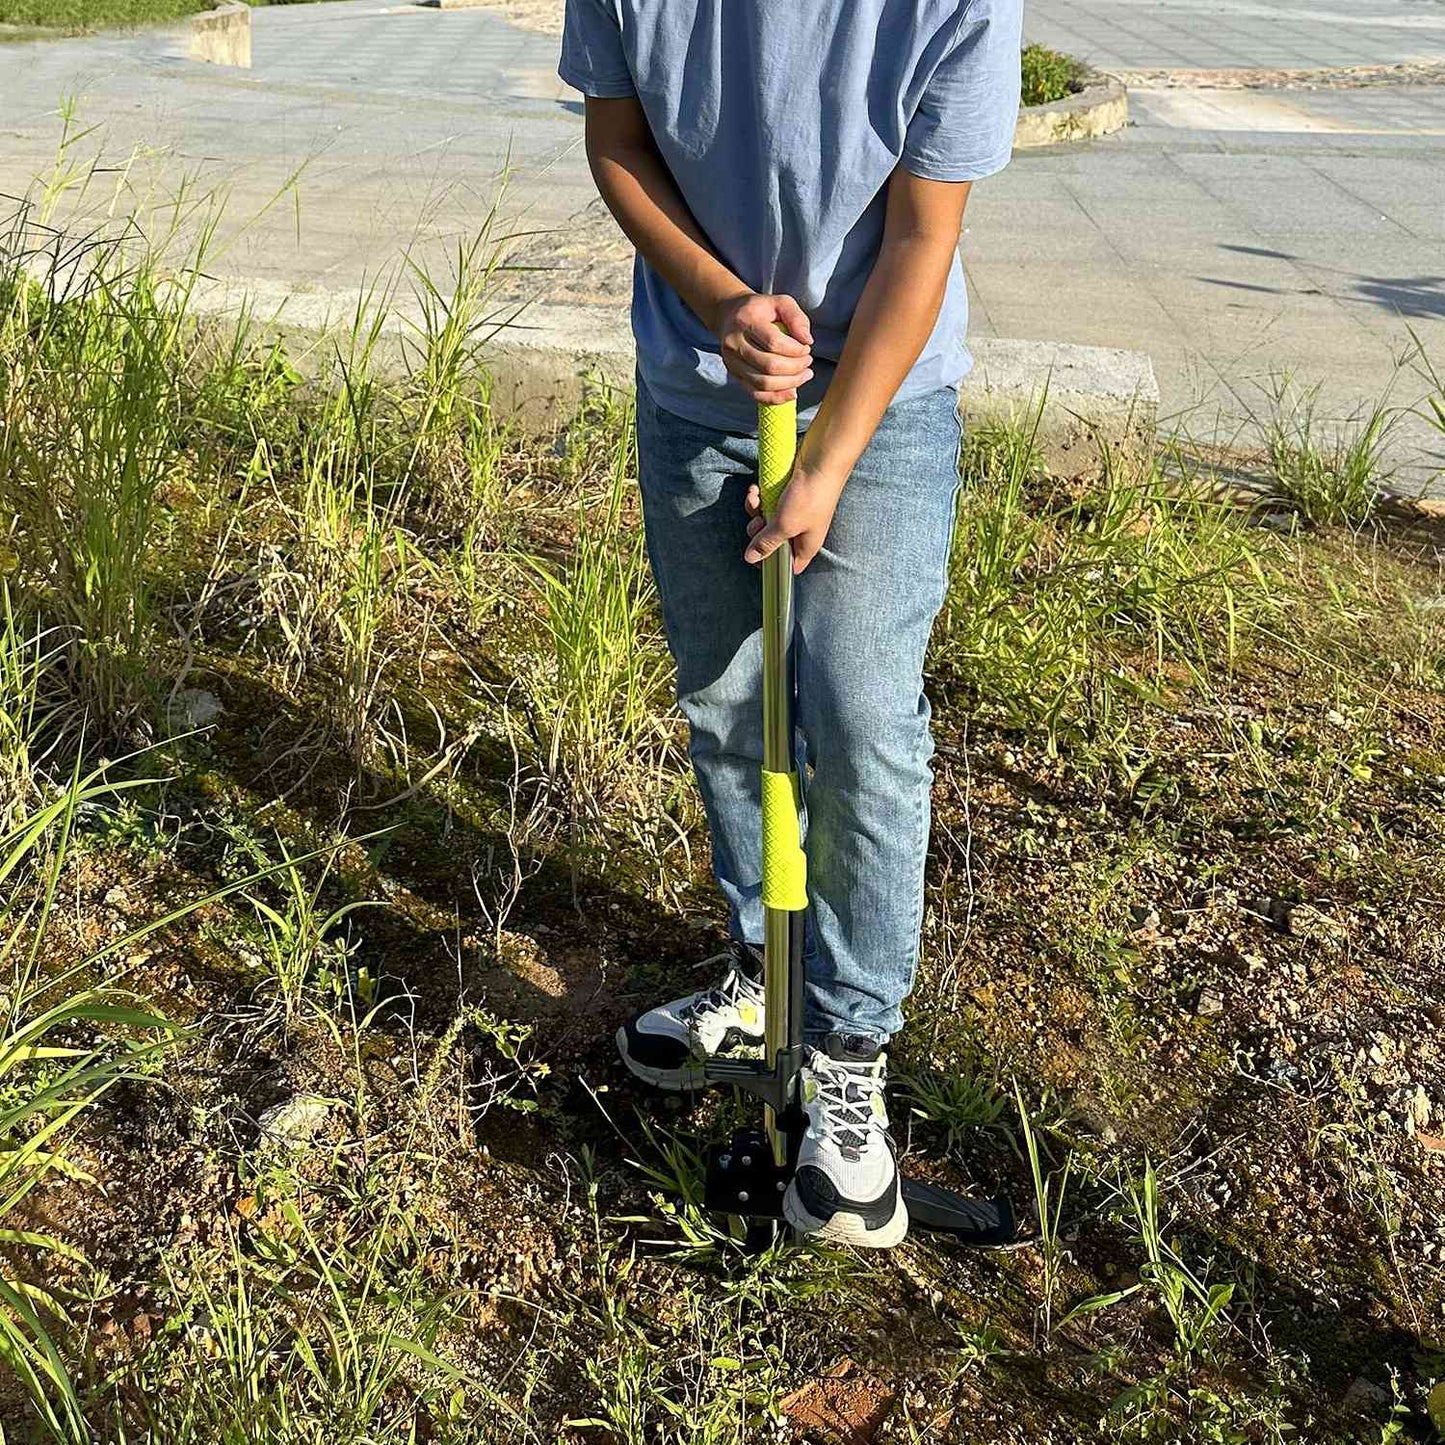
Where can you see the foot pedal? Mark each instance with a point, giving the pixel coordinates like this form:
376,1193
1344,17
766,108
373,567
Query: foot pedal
982,1223
742,1178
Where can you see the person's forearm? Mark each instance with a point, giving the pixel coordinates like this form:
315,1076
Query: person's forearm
764,341
645,202
891,325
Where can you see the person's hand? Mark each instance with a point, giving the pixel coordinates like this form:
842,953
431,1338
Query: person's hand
802,517
770,364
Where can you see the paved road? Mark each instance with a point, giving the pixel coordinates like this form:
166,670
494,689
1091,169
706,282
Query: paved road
1229,232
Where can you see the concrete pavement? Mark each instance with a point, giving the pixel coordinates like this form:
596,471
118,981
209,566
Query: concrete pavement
1115,34
1230,232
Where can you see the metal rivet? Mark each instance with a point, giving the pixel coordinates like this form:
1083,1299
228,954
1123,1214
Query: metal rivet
747,1161
742,1196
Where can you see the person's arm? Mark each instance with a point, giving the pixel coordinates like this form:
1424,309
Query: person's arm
771,364
892,323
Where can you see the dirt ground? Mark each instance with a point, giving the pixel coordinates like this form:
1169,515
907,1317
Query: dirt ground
543,15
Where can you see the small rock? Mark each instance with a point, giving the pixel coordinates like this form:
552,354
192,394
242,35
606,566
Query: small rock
1211,1003
193,708
1301,920
294,1123
1420,1109
845,1405
1364,1393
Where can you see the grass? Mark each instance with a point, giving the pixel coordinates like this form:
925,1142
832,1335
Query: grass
78,17
1049,75
440,839
1334,478
63,1045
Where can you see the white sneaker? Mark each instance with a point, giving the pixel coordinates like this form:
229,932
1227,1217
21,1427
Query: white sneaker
669,1046
845,1186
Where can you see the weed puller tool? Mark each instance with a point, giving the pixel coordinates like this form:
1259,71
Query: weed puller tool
749,1175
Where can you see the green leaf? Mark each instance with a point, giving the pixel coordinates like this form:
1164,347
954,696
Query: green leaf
1097,1302
1435,1405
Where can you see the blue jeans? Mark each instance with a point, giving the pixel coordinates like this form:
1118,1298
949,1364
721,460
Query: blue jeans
865,608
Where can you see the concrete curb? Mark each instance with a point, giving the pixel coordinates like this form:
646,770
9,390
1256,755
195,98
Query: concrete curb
1087,399
221,36
1101,108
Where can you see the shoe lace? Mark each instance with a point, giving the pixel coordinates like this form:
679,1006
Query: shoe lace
845,1101
722,995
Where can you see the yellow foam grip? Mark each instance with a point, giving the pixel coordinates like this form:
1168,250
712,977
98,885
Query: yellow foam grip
777,447
785,865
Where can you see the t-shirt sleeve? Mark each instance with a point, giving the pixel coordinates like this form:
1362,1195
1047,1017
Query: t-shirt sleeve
964,125
593,60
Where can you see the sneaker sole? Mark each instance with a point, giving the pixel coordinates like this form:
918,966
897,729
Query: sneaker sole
688,1079
845,1228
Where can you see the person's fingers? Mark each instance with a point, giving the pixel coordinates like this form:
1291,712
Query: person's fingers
763,388
766,381
766,337
770,373
761,385
794,318
771,363
753,502
756,525
767,541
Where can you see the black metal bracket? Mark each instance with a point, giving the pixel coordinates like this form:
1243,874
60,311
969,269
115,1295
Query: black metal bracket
773,1086
743,1179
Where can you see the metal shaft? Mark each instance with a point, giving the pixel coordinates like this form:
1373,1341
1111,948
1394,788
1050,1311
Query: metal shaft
784,867
778,923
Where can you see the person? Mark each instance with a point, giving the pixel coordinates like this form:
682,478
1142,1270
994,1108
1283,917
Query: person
793,177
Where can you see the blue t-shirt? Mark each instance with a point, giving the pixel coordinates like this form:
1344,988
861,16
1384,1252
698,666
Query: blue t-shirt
781,122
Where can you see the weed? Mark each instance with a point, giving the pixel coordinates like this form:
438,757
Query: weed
1194,1307
28,709
271,1340
596,704
1048,75
456,440
48,1079
962,1103
1063,618
1335,482
348,565
90,404
300,942
1050,1190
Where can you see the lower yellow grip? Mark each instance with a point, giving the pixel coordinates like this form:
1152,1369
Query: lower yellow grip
777,448
785,865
